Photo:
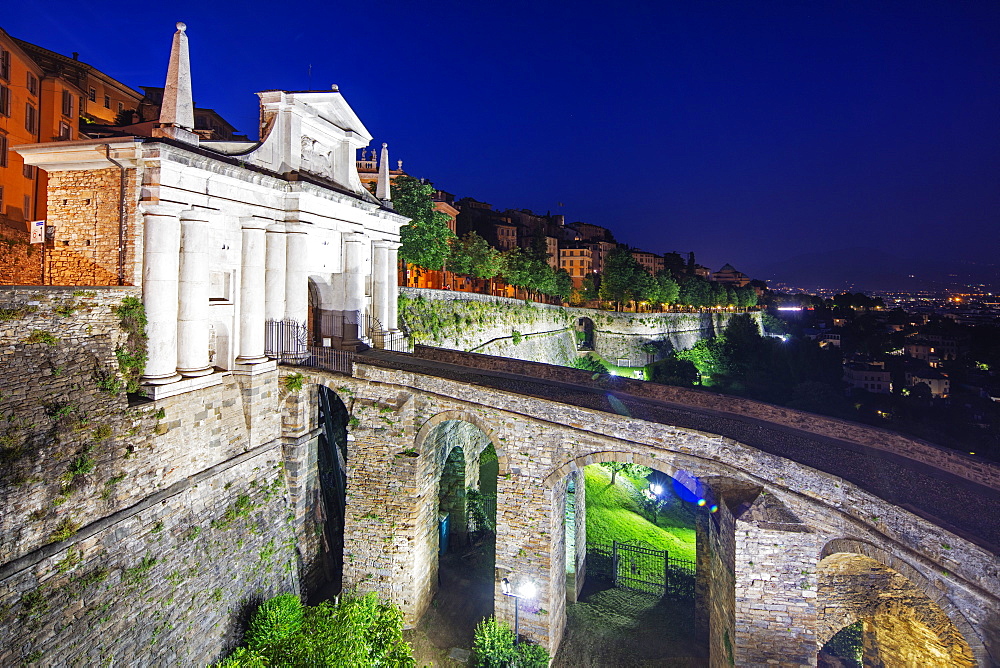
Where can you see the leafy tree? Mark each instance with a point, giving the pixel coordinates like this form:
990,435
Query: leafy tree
563,284
590,288
621,274
669,289
634,470
674,371
673,264
426,239
473,256
588,363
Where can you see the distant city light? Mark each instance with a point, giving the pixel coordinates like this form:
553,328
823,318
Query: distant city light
789,308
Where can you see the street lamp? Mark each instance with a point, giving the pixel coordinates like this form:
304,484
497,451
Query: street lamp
526,590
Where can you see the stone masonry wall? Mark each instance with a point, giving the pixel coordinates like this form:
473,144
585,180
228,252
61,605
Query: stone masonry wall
84,207
135,528
20,262
504,327
971,468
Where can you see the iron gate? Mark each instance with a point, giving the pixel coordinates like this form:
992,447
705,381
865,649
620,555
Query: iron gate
642,568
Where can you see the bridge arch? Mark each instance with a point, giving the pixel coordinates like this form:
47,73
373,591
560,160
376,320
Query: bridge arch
476,420
858,581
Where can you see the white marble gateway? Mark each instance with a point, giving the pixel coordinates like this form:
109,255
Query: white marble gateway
234,234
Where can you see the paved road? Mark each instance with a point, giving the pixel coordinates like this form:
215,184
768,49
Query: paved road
965,508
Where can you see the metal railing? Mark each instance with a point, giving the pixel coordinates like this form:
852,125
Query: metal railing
291,342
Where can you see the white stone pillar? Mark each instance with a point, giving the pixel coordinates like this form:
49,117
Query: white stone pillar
380,282
252,290
354,289
274,273
296,274
192,298
392,311
160,261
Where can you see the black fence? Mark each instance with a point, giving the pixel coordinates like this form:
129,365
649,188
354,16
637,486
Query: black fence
642,568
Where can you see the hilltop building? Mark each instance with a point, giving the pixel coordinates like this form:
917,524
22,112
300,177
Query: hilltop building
728,275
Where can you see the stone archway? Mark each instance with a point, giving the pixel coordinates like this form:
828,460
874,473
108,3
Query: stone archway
585,334
451,445
902,624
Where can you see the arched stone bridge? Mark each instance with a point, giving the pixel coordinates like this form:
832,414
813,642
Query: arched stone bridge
821,523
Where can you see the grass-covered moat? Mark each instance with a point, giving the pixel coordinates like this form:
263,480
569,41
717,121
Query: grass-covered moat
621,512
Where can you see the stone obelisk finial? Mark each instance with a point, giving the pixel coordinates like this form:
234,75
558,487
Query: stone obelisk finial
177,108
382,189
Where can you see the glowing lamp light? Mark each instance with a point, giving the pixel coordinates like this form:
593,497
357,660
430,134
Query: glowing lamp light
527,590
656,489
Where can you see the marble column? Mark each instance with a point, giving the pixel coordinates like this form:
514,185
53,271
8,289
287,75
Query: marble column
160,263
391,322
192,297
252,290
274,273
296,273
354,290
380,282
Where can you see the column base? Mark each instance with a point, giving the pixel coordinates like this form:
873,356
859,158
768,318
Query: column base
252,360
160,380
194,373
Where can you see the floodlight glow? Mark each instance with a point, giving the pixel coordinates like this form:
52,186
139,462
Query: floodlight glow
527,590
656,489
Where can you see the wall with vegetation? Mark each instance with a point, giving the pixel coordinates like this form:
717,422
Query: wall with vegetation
542,332
131,528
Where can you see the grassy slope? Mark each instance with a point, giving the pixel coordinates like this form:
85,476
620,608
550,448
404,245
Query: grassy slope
614,513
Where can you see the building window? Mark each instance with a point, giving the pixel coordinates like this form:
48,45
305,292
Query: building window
1,200
67,103
5,64
92,95
27,207
3,151
30,119
28,171
107,101
121,107
64,131
32,84
4,100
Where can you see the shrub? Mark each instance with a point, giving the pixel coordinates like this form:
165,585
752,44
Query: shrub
516,337
41,336
494,647
294,382
588,363
276,619
353,631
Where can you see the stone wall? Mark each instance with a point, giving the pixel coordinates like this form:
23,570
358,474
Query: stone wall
136,528
504,327
971,468
93,244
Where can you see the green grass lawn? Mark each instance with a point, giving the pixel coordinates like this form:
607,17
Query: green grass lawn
614,512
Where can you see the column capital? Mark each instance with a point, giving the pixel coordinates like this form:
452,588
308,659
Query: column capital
160,208
295,227
199,215
255,223
277,227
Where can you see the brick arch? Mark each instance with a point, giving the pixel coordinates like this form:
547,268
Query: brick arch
842,549
472,418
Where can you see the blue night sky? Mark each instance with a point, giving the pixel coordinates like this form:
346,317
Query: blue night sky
744,131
